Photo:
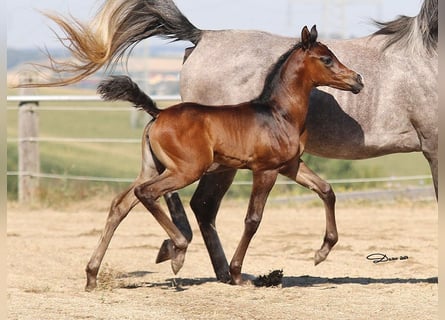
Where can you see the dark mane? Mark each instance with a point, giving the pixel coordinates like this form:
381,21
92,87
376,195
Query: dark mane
272,76
404,28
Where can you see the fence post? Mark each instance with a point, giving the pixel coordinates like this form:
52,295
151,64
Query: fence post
28,148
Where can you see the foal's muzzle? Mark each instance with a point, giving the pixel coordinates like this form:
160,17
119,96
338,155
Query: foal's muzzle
358,85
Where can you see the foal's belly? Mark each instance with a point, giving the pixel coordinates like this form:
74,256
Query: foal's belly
263,156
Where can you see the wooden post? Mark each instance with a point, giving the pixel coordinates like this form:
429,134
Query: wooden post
28,148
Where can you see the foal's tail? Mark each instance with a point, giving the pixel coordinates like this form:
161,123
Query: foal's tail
123,88
118,26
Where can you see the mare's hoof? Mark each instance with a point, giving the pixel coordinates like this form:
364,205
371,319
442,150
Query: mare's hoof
224,277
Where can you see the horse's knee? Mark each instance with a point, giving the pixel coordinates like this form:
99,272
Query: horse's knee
207,198
204,208
138,192
327,193
197,205
141,193
251,224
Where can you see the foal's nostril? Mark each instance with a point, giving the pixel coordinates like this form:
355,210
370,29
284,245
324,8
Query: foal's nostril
358,85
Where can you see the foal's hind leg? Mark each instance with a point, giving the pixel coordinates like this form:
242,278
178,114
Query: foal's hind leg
180,220
120,207
205,204
301,173
148,193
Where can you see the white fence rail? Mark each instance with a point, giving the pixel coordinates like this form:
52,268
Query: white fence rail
28,140
77,98
28,137
239,182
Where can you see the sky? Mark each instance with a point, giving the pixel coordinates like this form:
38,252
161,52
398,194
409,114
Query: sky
28,28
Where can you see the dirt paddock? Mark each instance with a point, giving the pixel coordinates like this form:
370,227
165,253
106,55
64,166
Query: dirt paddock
48,250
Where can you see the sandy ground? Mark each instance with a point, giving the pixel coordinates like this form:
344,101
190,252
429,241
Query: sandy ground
48,251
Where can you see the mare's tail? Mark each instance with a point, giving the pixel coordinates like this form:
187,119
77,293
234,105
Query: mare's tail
123,88
118,26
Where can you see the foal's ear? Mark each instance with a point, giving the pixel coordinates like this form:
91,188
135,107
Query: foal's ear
314,34
305,38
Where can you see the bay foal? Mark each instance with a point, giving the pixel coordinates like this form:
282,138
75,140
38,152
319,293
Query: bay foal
266,135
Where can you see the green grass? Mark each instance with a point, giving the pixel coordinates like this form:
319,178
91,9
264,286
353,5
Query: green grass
398,164
123,160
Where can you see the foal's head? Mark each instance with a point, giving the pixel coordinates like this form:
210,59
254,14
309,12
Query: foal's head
323,67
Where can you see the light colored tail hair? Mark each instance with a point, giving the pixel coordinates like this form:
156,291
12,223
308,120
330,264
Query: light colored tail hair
118,26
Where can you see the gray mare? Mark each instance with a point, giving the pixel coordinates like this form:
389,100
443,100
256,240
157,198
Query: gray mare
396,112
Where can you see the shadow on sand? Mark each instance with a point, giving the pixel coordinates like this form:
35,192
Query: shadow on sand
309,281
181,284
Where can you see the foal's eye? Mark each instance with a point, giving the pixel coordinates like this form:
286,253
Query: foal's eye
326,60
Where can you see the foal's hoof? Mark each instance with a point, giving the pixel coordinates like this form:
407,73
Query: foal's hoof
165,250
238,281
224,277
178,260
90,286
168,251
91,279
320,256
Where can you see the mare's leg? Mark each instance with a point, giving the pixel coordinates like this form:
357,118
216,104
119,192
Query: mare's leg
262,184
205,204
178,214
148,193
120,207
434,166
300,172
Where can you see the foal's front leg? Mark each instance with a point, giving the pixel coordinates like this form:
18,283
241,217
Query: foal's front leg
300,172
263,182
